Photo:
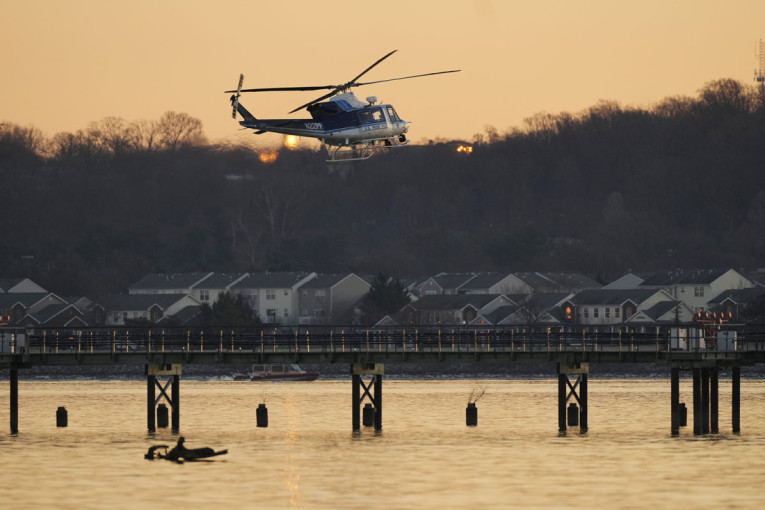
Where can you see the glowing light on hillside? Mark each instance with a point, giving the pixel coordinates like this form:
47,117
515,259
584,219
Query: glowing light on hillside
268,157
465,149
291,142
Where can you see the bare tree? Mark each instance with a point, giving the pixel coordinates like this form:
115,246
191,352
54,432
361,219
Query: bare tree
179,129
114,134
28,138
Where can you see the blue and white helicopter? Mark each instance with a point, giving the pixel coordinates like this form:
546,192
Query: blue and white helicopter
351,129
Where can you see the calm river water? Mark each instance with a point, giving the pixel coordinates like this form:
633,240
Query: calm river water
425,456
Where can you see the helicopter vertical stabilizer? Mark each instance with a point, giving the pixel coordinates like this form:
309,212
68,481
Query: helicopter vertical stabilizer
246,116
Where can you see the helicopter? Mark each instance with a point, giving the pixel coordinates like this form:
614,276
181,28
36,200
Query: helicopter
350,129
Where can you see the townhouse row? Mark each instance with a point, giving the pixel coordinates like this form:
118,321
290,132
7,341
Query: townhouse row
635,299
475,299
276,298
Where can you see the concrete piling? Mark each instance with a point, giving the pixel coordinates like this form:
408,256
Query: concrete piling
471,415
62,417
261,416
162,416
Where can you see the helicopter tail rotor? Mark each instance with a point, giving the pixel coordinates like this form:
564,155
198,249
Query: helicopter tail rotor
235,97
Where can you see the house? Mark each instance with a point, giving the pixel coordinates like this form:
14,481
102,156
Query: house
18,305
328,298
663,312
122,308
627,281
93,313
60,315
168,283
616,306
502,316
19,285
556,282
208,290
549,308
733,302
494,283
696,288
448,309
273,296
444,283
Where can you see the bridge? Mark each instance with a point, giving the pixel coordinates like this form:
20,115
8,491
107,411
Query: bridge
163,352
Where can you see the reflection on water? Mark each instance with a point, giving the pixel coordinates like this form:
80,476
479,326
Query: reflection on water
424,457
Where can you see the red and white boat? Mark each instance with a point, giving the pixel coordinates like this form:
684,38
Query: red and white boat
277,372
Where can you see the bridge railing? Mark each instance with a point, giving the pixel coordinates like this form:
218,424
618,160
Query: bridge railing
400,339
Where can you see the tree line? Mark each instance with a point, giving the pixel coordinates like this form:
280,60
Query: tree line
602,191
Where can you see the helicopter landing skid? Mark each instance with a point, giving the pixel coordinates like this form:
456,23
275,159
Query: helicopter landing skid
343,153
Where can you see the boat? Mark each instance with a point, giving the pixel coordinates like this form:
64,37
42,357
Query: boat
277,372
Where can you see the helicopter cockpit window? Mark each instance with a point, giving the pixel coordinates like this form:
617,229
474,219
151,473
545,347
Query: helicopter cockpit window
365,117
392,114
377,115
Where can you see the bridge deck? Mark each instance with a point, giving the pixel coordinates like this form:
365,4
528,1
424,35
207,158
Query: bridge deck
332,346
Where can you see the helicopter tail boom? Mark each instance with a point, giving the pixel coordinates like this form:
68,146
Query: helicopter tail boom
246,115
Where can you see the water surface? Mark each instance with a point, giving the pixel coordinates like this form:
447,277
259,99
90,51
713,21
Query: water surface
425,456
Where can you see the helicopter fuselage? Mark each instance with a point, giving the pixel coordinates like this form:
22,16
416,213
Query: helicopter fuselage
341,121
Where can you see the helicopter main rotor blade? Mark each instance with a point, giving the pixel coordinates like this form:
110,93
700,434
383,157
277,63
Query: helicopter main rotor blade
405,77
344,86
316,87
285,89
353,81
322,98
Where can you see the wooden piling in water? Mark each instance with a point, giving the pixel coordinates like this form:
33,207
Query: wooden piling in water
675,401
697,401
378,402
713,401
583,403
705,400
150,419
14,400
355,397
561,402
176,402
736,399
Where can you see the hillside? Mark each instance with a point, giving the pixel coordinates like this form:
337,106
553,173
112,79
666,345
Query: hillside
602,191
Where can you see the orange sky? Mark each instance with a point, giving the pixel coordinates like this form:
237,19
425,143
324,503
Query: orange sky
68,63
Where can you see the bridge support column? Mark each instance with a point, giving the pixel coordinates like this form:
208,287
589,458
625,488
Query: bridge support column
14,373
174,399
675,401
714,401
578,392
705,400
176,402
697,401
358,370
151,382
736,399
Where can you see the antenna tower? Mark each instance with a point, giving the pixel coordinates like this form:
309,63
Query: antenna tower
759,54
